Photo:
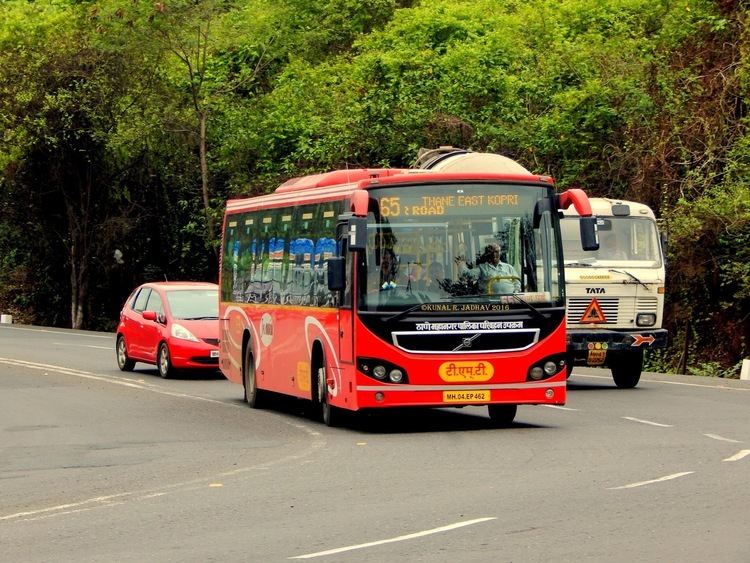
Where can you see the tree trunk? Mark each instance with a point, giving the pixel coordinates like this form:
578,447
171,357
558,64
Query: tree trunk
204,181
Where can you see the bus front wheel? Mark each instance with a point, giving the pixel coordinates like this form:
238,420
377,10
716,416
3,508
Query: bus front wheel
331,415
253,396
502,415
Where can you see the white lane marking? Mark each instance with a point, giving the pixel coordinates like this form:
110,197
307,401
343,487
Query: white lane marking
659,480
114,380
722,438
559,407
722,387
317,442
738,456
396,539
647,422
82,345
61,331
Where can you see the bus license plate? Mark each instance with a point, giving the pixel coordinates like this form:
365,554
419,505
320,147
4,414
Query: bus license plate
482,396
596,357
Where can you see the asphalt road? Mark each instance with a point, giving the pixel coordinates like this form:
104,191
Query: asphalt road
101,465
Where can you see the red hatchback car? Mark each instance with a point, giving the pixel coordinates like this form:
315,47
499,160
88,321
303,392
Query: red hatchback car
174,325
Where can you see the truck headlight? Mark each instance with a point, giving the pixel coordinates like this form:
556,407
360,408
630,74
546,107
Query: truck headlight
645,319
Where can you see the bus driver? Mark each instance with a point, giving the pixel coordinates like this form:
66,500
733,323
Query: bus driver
492,275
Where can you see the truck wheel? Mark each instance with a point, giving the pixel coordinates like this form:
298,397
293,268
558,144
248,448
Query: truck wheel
626,368
569,365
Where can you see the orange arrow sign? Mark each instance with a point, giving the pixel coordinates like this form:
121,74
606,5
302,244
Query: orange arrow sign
639,339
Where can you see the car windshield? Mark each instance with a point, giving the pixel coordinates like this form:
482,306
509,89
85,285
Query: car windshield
477,243
194,304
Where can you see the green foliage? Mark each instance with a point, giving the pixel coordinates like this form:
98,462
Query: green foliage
102,101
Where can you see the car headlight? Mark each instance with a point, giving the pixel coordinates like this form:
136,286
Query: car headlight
645,319
179,331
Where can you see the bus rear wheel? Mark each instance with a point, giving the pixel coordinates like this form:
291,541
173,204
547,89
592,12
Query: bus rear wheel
502,415
626,369
254,397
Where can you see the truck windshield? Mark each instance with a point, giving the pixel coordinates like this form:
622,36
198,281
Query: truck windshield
474,243
622,240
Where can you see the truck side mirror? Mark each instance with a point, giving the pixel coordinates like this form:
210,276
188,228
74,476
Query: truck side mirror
336,273
357,227
589,236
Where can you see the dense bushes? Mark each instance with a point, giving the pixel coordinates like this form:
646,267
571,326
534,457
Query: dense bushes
102,104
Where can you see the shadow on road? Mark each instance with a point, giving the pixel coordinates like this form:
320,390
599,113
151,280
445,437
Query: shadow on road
401,420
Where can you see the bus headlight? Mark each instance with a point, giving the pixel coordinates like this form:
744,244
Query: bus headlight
396,375
382,370
546,368
645,319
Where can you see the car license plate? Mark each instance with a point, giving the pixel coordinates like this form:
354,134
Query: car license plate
596,357
463,396
214,353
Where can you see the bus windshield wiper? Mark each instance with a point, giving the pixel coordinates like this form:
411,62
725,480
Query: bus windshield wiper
631,275
529,305
579,264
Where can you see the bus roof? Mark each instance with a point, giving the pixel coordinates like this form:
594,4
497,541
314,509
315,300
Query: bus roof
339,184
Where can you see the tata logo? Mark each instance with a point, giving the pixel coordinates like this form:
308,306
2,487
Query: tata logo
595,290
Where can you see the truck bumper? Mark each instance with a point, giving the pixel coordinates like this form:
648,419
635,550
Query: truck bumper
580,341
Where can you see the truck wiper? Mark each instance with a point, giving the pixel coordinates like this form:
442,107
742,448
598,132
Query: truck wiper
631,275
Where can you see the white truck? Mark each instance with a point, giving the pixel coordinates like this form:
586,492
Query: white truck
614,295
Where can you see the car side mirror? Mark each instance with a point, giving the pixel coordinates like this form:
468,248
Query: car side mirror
149,315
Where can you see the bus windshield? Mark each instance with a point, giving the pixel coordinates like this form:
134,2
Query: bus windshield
474,242
622,240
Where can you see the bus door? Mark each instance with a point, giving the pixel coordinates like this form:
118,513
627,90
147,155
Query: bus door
345,309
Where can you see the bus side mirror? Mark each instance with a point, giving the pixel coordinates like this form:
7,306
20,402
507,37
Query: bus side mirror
663,239
336,273
357,227
589,238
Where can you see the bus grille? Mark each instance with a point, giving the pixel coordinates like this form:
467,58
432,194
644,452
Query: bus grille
466,342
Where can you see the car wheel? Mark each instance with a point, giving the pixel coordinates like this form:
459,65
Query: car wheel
502,415
164,362
121,350
254,397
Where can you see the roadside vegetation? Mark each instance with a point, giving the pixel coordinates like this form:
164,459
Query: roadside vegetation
127,124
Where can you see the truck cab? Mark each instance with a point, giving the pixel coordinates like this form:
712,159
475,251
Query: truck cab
614,295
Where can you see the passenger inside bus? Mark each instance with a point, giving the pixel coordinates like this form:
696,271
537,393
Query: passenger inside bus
388,269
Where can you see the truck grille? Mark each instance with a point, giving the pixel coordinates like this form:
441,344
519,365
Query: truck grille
616,310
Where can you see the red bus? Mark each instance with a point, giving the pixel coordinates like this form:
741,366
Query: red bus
371,288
